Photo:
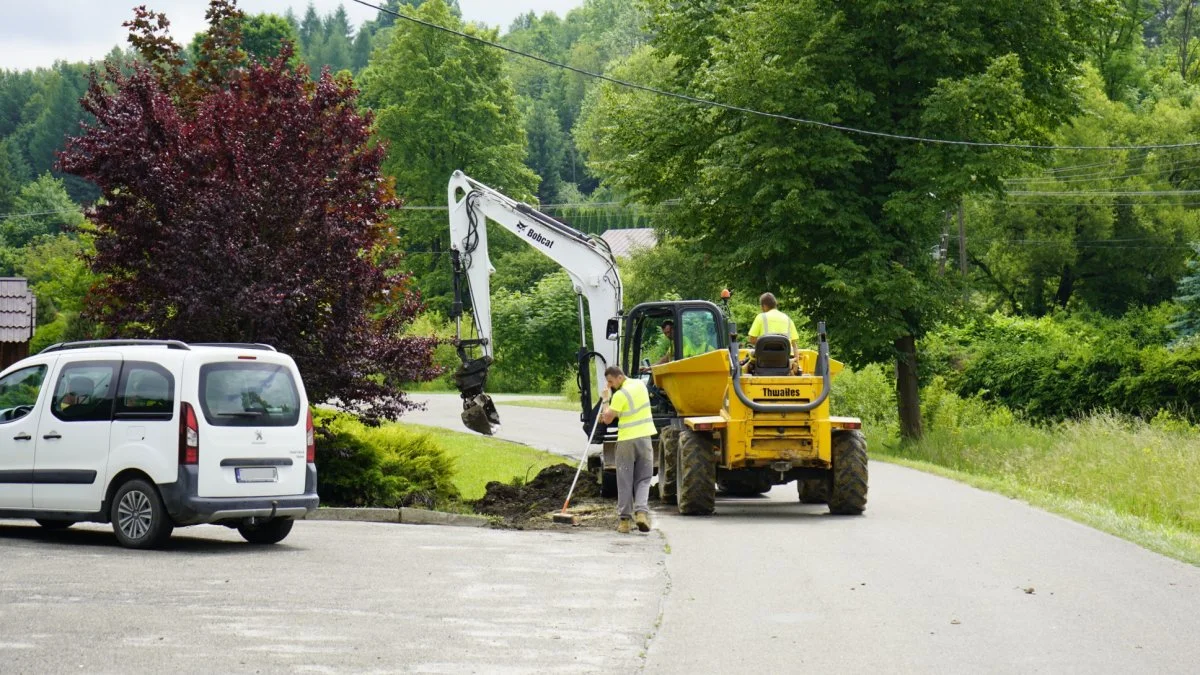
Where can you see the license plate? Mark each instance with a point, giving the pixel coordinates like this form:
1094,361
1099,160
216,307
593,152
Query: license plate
256,474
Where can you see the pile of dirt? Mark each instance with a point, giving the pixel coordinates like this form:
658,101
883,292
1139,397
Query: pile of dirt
532,505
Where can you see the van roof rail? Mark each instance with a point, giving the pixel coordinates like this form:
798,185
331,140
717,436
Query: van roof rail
83,344
236,345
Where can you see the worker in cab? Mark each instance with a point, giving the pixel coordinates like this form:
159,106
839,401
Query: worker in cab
628,401
773,321
696,341
668,332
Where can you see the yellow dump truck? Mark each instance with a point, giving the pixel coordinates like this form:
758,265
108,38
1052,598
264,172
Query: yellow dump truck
743,419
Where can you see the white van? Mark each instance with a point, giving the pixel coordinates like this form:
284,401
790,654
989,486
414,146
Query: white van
155,434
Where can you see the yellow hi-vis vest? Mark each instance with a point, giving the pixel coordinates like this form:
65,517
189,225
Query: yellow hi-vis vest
632,404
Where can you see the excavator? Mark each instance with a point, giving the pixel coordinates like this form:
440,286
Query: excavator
743,419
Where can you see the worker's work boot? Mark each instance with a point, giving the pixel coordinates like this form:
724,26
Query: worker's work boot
642,520
623,526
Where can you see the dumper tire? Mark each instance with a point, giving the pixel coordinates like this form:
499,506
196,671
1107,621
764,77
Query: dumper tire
848,494
668,471
608,484
813,490
697,492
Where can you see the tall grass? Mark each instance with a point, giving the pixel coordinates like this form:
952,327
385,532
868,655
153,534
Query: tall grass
1139,479
1129,466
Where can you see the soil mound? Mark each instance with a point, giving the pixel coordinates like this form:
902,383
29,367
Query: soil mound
529,506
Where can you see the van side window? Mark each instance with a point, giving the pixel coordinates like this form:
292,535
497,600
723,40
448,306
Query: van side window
84,391
19,392
147,392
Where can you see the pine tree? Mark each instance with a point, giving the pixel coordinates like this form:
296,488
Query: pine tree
1188,325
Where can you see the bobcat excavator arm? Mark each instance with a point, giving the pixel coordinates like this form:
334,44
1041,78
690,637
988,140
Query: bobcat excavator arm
587,261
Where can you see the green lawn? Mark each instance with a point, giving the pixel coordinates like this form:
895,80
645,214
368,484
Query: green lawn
479,460
1118,475
558,403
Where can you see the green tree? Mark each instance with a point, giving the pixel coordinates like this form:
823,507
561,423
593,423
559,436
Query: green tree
14,173
547,149
839,224
1062,239
443,103
1187,326
264,34
42,207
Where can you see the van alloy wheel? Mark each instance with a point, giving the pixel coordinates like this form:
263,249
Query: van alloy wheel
138,517
134,514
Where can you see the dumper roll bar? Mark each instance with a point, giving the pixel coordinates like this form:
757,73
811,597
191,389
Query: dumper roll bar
735,369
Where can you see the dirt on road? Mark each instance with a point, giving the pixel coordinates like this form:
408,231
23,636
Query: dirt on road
532,506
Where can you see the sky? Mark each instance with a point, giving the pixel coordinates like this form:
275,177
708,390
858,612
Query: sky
34,34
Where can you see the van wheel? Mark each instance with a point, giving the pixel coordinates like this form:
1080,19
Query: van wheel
138,517
270,531
55,524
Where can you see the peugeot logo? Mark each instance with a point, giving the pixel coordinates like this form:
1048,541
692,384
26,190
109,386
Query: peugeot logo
258,435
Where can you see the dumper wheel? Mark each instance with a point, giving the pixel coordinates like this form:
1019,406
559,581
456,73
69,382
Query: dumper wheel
813,490
608,484
697,491
848,495
668,455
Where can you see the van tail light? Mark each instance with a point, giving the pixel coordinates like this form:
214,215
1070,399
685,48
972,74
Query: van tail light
310,439
189,435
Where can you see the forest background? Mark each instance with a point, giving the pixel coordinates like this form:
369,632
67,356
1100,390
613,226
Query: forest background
1052,284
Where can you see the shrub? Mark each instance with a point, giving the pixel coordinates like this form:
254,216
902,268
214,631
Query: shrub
1064,366
385,466
868,393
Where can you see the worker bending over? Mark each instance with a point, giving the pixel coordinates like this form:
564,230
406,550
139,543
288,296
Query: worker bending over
629,401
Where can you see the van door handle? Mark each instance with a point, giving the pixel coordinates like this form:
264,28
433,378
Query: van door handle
22,437
52,435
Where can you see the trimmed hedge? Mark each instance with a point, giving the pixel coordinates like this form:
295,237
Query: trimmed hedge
385,466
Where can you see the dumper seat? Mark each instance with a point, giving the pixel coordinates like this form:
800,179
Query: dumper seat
772,355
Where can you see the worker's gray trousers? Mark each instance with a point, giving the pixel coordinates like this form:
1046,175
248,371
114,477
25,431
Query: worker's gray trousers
635,467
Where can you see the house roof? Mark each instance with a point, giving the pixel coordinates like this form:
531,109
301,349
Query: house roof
18,310
624,242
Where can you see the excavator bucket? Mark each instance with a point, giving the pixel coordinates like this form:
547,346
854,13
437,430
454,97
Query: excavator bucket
479,413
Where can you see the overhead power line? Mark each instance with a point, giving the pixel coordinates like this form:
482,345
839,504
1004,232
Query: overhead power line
750,111
1101,193
1101,176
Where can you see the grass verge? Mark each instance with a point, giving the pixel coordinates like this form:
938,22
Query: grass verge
552,403
1126,477
479,460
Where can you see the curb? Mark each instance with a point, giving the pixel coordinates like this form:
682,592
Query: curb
404,515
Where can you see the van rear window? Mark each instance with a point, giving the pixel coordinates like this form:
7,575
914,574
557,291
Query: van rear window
248,395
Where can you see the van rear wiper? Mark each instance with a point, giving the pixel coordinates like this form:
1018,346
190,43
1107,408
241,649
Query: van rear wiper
244,413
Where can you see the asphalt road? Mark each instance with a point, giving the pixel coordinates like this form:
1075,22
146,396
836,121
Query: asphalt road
936,577
335,597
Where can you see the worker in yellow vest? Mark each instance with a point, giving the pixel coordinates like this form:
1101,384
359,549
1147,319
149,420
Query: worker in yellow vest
629,401
773,321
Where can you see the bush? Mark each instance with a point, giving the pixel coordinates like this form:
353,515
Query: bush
385,466
942,409
868,393
1064,366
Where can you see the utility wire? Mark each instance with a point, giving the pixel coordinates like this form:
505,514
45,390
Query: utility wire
750,111
1085,178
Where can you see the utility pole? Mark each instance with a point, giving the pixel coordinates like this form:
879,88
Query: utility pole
962,247
944,244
